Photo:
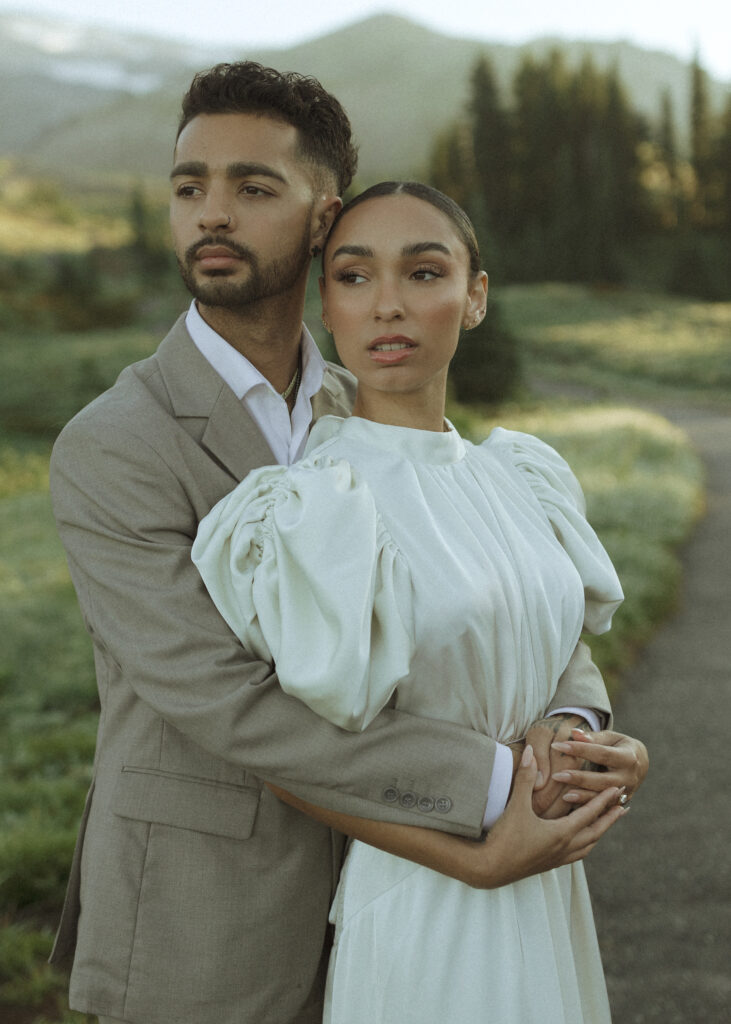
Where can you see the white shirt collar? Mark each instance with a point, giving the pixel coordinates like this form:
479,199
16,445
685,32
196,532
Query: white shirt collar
241,375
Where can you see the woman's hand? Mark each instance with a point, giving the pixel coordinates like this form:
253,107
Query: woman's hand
620,761
521,844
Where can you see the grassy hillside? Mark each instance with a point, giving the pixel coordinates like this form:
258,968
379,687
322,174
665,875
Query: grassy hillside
400,82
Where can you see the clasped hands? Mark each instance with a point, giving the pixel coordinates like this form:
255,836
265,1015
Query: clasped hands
575,764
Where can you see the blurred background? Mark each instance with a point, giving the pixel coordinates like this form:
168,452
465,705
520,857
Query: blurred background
592,148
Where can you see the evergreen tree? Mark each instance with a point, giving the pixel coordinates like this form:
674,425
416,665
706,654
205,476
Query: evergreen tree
491,148
451,167
701,144
723,168
672,211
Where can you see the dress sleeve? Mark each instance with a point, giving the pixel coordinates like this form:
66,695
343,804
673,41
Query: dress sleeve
562,499
303,570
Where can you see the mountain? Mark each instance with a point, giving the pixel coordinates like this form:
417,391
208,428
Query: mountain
81,101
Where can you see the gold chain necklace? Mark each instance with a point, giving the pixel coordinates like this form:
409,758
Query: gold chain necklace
292,386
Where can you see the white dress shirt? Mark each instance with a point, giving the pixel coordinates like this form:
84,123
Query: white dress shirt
287,436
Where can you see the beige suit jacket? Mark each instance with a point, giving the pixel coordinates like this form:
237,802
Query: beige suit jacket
195,896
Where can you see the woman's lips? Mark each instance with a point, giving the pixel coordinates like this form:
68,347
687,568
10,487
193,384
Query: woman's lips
391,350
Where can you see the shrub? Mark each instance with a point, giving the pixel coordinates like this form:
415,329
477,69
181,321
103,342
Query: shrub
487,366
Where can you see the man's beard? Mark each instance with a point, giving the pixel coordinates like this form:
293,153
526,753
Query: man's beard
215,288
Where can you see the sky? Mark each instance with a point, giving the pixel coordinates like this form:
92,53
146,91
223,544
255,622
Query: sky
676,26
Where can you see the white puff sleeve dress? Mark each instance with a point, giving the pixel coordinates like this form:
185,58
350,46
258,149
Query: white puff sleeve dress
454,580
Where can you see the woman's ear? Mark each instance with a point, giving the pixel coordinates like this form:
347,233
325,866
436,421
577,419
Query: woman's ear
476,301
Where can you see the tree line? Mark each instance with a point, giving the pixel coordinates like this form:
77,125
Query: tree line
566,181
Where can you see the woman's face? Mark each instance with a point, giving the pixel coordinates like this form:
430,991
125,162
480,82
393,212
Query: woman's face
396,290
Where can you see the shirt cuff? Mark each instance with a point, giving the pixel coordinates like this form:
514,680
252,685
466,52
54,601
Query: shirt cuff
593,718
499,791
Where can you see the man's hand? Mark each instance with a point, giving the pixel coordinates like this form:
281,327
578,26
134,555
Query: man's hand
548,796
610,759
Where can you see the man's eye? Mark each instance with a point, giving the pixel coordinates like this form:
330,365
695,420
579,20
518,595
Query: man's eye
186,191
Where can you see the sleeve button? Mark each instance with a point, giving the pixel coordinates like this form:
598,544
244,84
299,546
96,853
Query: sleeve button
391,795
443,804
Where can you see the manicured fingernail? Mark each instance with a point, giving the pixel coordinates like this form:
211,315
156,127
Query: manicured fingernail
539,779
571,798
579,732
562,776
564,747
527,757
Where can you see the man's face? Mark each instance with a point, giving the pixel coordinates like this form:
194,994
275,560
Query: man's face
242,209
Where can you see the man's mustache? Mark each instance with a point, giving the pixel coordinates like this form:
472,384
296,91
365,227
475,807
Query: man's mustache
216,240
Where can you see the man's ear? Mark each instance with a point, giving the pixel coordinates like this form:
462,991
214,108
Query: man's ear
326,210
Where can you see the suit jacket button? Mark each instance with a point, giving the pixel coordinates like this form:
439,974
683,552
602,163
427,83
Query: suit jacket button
426,804
443,804
391,795
408,799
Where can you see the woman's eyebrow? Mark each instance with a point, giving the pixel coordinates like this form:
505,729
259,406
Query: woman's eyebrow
353,250
419,247
413,249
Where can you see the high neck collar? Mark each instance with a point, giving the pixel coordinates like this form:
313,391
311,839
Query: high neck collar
436,447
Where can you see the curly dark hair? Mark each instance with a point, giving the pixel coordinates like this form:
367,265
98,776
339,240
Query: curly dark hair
246,87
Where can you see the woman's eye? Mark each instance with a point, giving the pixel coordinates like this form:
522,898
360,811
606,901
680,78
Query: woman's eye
349,277
427,273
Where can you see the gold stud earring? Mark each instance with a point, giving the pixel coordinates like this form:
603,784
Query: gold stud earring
326,325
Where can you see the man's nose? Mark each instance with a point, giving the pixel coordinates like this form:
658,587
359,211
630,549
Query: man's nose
215,215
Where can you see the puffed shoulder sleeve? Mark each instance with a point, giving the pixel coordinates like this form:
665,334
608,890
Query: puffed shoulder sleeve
303,570
562,500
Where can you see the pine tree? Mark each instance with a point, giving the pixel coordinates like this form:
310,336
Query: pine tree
700,140
491,148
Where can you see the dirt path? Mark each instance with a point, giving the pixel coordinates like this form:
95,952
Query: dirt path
661,880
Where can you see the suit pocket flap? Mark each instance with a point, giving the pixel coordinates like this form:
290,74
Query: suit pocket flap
181,801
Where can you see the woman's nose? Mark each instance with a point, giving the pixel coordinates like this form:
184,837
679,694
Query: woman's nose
389,304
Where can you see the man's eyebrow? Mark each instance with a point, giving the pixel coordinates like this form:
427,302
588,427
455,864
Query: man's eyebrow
190,169
240,169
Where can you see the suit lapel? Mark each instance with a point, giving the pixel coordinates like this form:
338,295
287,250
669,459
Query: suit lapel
335,397
207,407
209,410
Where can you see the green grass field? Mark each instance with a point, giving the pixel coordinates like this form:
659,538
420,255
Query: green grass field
622,341
643,486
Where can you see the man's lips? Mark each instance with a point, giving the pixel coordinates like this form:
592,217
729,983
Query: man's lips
213,257
392,349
